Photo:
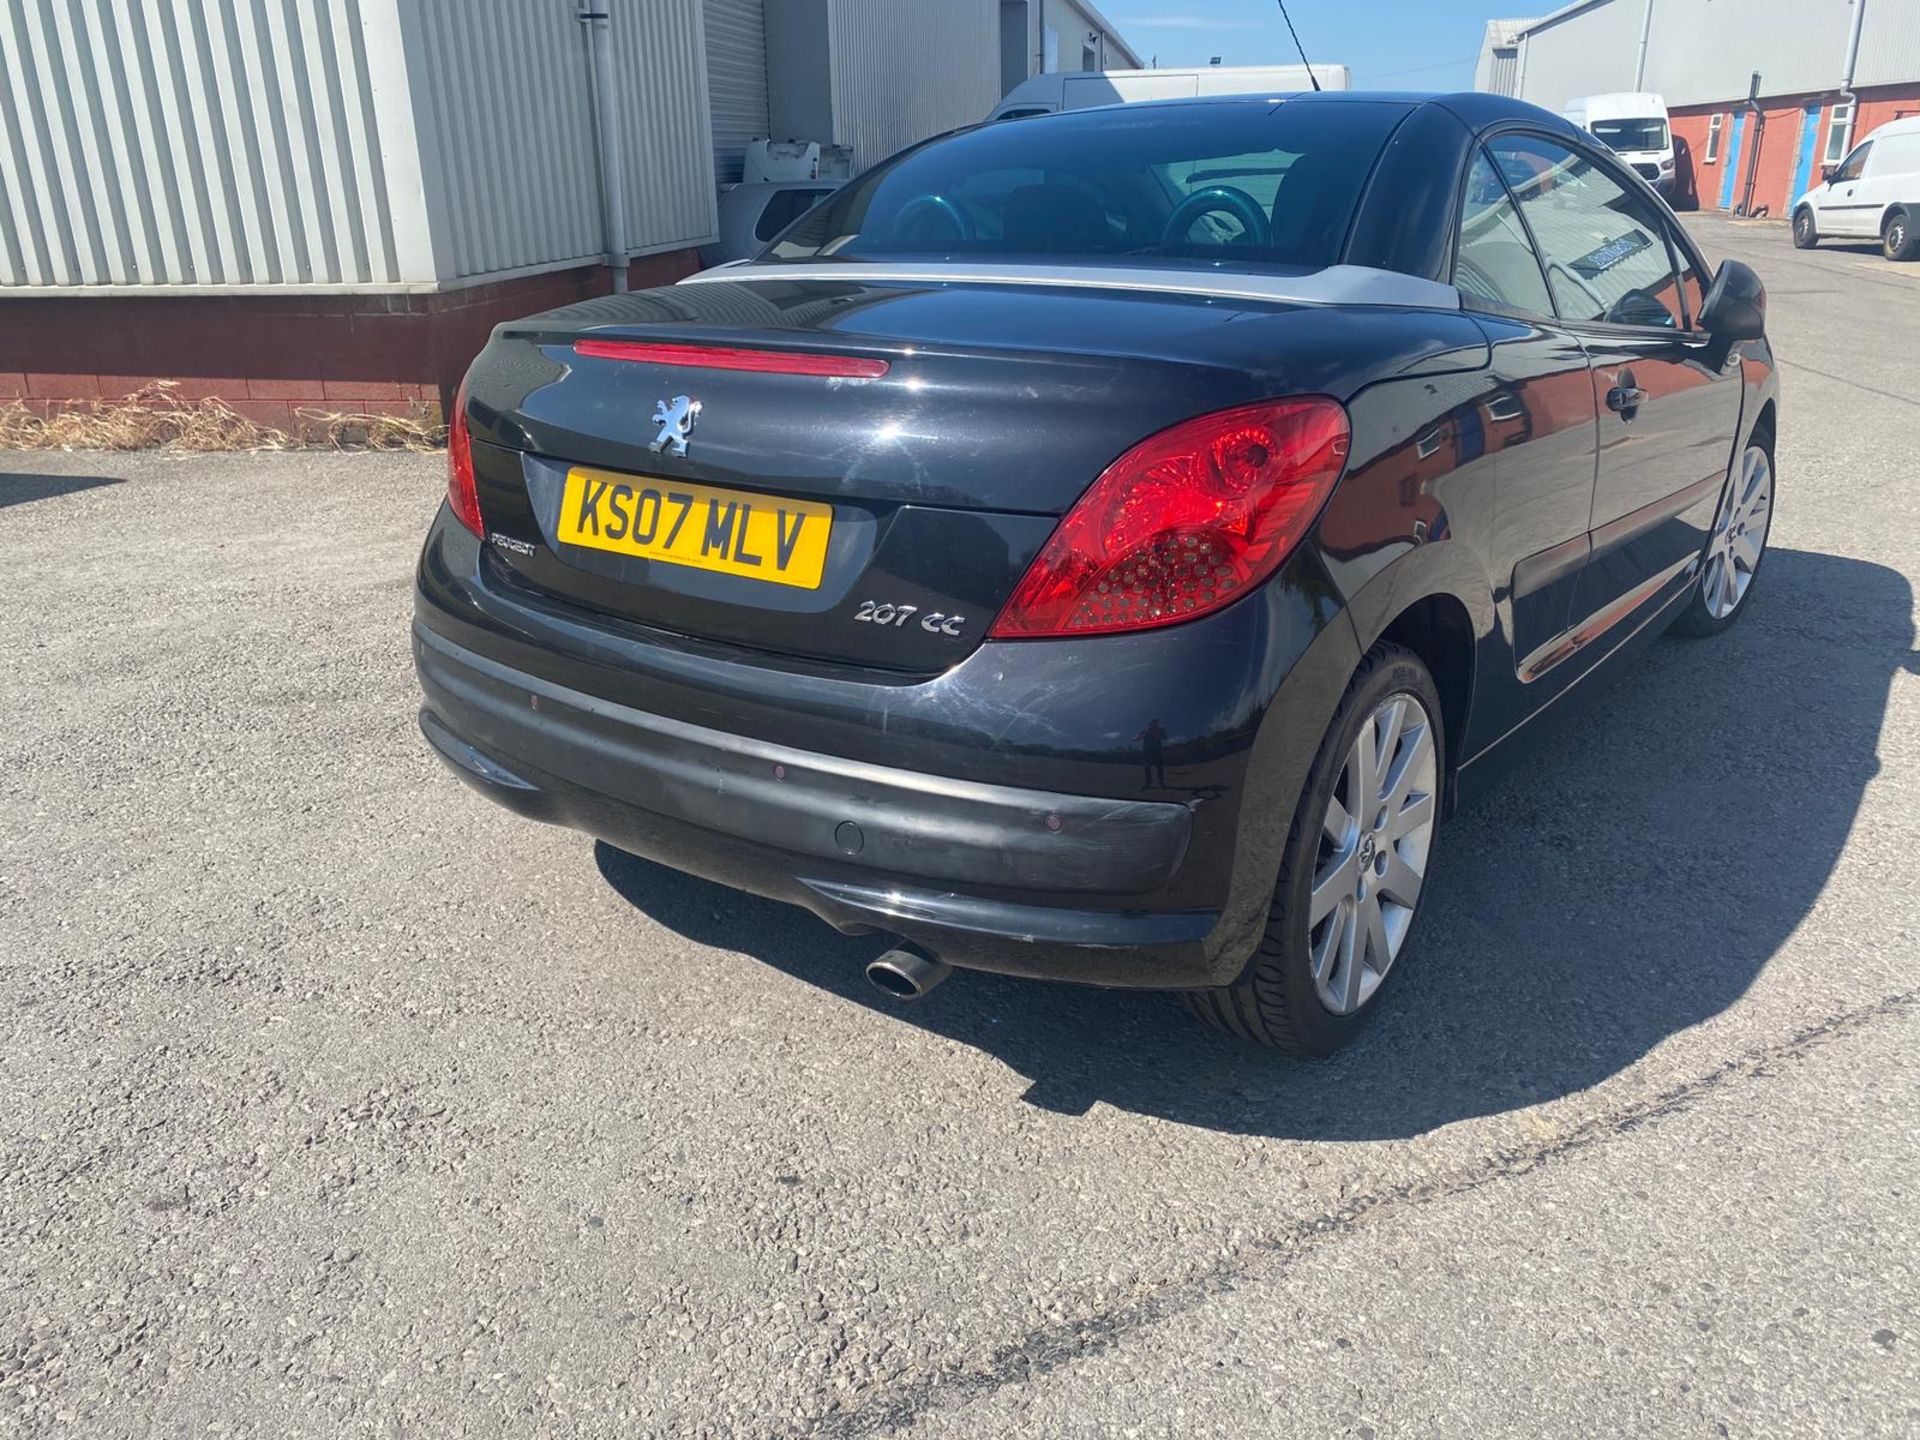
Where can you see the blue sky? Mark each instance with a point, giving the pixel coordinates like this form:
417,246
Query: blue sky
1390,44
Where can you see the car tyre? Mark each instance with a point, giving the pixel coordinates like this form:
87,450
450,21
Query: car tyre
1805,235
1736,546
1900,238
1284,1000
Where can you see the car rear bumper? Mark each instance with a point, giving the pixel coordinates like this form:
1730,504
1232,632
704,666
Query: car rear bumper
1007,814
986,876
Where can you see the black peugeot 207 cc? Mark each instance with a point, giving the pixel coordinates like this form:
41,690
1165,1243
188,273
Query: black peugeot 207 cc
1102,546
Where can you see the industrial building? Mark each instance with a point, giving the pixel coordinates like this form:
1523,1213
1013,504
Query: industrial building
1498,71
1762,93
328,204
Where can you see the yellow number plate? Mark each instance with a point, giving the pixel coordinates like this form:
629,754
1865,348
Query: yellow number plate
760,536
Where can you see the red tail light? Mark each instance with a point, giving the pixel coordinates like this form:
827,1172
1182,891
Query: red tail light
462,494
1187,521
717,357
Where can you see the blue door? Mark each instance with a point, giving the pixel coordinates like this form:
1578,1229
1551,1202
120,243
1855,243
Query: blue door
1732,161
1803,162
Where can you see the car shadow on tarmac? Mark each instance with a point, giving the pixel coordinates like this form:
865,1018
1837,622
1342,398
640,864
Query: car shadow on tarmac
1869,248
22,489
1629,879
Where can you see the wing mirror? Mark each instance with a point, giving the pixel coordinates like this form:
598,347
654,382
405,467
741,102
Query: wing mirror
1736,306
1827,172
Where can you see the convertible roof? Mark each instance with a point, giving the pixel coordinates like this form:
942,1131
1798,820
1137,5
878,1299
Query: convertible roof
1475,109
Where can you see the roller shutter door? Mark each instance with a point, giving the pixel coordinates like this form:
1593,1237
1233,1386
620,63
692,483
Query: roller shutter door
736,80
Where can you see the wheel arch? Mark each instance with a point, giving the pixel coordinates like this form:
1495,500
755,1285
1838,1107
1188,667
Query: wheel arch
1439,629
1907,214
1766,422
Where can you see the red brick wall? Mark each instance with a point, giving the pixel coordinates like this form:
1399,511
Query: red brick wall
1774,179
1695,183
271,356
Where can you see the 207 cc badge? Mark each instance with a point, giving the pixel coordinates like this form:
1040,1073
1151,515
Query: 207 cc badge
675,418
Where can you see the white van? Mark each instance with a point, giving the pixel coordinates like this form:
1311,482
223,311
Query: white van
1872,194
1632,124
1077,89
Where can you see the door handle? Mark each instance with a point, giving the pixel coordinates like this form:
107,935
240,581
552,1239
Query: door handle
1625,399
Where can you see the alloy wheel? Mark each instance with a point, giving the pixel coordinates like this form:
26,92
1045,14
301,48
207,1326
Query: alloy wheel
1739,536
1375,840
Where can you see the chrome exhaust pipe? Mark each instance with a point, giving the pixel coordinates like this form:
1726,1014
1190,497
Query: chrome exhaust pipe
907,972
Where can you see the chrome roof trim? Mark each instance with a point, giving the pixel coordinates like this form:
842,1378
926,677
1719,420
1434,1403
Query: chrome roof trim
1335,285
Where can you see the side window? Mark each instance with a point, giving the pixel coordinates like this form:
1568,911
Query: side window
1693,287
1494,261
1260,174
1854,164
1604,248
783,208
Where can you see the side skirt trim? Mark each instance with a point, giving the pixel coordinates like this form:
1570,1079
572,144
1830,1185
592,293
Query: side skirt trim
1655,614
1609,537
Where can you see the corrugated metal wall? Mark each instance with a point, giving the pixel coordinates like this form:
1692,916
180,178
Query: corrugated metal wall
907,69
383,142
1072,23
189,142
504,93
660,56
1503,70
1700,51
736,80
514,184
1588,53
1498,69
1889,43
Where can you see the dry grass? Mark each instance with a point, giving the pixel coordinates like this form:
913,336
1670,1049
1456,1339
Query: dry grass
338,430
150,418
156,417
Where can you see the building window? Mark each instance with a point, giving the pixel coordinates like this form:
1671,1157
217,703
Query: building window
1715,122
1839,132
1504,405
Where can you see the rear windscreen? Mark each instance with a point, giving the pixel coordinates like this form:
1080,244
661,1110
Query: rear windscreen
1251,185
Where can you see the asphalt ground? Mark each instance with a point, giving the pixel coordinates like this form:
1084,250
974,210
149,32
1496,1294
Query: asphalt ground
338,1102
